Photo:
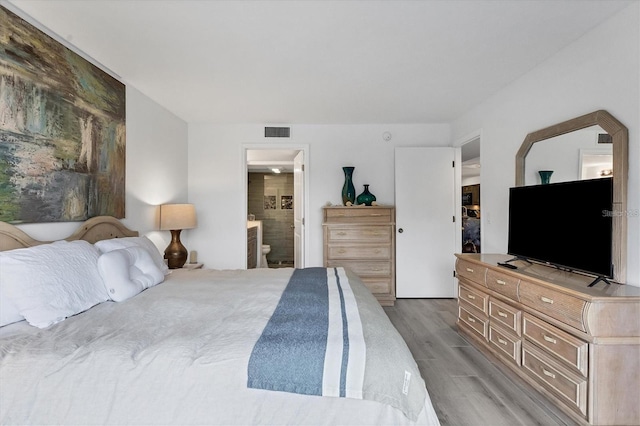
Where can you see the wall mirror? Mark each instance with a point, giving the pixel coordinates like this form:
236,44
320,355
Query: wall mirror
582,154
584,147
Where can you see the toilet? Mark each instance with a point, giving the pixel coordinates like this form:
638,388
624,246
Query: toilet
266,249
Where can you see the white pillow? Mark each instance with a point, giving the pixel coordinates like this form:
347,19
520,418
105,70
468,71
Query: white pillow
50,282
8,311
126,272
119,243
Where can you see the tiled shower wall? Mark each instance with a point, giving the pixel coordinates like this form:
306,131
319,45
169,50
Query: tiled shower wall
277,223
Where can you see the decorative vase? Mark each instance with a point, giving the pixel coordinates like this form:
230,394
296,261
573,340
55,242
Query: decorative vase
366,197
545,176
348,190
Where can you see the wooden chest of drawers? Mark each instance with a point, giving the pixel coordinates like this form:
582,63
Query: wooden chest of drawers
363,240
579,346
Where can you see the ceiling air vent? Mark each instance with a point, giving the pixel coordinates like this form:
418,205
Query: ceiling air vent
277,132
605,138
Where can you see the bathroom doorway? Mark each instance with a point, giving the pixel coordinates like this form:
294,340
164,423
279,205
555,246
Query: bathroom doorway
276,206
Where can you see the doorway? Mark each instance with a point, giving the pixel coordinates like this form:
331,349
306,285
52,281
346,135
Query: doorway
471,206
275,206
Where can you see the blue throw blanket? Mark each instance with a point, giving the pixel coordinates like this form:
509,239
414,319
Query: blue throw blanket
313,344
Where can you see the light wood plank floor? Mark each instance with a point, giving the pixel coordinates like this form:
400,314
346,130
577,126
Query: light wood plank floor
465,387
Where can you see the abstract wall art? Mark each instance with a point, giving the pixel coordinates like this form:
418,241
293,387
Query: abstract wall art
62,130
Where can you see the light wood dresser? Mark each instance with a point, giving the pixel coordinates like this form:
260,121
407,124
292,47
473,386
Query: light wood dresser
577,345
362,238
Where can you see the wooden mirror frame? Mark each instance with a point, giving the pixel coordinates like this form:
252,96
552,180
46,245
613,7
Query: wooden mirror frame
620,136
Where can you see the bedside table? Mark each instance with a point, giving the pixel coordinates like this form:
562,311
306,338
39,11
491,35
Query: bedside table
193,266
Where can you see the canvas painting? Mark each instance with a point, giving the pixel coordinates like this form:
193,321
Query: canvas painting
269,202
286,202
62,130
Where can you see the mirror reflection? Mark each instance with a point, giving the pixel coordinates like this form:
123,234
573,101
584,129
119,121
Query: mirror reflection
581,154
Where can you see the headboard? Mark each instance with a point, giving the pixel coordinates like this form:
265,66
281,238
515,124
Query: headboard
95,229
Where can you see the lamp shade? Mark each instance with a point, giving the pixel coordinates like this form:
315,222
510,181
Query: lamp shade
177,216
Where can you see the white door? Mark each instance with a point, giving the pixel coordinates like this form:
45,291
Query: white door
298,210
425,231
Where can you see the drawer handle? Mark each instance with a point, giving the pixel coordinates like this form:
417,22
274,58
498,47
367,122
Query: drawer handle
501,282
377,269
377,251
342,233
342,251
502,314
470,319
470,270
549,339
548,373
502,341
375,215
546,300
471,296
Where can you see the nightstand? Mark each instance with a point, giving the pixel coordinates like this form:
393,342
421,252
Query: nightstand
193,266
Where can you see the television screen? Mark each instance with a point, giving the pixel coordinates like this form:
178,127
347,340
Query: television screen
565,224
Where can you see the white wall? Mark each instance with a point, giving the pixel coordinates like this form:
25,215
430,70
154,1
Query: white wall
216,179
156,170
156,164
598,71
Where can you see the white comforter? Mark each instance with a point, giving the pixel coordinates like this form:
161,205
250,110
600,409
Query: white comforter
175,354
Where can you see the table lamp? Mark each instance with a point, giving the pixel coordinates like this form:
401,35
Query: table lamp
175,218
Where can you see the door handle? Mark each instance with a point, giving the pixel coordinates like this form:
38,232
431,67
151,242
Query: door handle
400,230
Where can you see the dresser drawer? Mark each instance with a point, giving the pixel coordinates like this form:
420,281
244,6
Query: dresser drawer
571,350
567,386
503,284
505,315
475,298
378,285
471,271
505,343
358,215
358,251
364,268
362,234
557,305
474,322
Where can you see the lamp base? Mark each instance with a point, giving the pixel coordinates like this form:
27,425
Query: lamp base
175,253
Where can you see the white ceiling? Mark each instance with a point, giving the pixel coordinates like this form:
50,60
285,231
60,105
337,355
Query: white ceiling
470,156
319,61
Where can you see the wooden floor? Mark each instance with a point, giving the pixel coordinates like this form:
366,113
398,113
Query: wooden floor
465,387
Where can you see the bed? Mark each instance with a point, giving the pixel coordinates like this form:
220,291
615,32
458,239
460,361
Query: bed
197,347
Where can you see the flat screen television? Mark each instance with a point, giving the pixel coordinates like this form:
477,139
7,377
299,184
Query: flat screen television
567,225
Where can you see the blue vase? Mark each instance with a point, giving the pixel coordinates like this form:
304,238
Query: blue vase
366,197
545,176
348,190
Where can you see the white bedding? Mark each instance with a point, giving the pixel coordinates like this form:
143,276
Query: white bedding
176,353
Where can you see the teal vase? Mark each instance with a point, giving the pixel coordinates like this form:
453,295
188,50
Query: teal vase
366,197
348,190
545,176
